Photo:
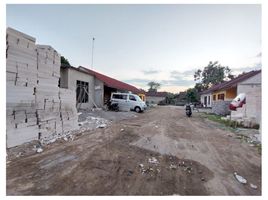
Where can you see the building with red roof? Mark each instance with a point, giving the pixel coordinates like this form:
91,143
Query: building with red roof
93,89
111,82
226,90
219,96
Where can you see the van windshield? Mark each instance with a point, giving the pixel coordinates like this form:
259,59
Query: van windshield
137,98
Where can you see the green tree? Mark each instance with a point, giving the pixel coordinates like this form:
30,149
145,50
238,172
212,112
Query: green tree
212,74
192,95
170,98
199,87
64,61
153,86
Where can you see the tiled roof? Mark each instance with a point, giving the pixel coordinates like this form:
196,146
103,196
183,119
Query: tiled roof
231,83
110,82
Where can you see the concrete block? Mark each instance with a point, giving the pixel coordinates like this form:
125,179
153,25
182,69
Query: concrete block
25,94
17,34
43,115
19,136
11,66
11,78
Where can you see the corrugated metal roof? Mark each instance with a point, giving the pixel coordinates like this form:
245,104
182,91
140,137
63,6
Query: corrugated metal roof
231,83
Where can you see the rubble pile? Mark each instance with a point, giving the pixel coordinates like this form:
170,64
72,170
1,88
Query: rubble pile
92,123
36,107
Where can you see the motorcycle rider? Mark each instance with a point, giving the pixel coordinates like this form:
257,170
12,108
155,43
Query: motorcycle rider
188,110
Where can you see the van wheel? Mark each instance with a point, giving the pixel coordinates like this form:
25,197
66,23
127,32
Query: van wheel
137,109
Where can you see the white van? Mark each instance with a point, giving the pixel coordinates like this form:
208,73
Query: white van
128,101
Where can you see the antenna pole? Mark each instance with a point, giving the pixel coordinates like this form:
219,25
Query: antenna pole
92,51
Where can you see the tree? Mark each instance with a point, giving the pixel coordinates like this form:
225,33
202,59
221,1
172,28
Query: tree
170,98
199,87
64,61
212,74
192,95
153,86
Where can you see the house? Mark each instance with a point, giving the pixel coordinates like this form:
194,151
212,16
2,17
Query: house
93,89
206,96
105,85
251,111
155,97
81,82
218,97
142,95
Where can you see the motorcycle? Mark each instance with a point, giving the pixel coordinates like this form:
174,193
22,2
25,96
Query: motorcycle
188,110
112,106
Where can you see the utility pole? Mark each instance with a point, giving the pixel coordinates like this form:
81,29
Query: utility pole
93,39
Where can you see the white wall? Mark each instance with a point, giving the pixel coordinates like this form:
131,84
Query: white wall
202,98
252,109
99,92
154,100
72,77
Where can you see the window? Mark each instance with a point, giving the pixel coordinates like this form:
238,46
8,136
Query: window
116,96
214,97
132,98
220,96
120,96
81,92
208,100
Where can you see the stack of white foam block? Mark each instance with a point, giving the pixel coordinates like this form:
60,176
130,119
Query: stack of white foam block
36,107
47,91
21,77
69,115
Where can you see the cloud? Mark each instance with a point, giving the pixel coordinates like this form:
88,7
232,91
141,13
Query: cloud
138,81
172,82
172,79
240,70
186,75
177,82
151,71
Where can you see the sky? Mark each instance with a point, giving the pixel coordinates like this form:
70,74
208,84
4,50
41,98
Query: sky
142,43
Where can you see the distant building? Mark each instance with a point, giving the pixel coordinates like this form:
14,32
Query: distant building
155,97
181,98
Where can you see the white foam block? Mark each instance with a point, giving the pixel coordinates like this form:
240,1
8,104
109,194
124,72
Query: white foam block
19,136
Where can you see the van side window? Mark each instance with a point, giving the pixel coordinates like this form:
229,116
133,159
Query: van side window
124,97
132,98
120,96
116,96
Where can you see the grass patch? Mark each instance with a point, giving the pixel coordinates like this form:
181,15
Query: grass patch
225,122
228,122
258,148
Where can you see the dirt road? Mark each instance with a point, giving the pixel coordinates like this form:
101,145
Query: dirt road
160,152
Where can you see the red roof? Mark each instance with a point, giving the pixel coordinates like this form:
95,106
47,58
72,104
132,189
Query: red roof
232,83
110,82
